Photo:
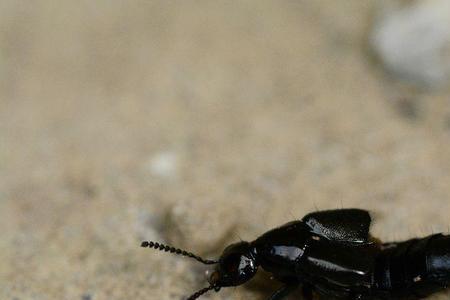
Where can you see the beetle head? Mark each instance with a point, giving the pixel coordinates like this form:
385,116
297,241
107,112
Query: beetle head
236,266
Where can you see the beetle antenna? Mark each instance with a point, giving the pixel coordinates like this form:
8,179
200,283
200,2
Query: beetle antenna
200,292
165,248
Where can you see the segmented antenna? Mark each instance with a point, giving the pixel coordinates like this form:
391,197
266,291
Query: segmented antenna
200,292
165,248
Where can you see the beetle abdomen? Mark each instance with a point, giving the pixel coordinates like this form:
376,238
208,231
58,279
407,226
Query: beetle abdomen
417,267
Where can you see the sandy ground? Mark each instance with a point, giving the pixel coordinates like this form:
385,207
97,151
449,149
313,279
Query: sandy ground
197,123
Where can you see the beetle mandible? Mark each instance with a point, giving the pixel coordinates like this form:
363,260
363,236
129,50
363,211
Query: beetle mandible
331,253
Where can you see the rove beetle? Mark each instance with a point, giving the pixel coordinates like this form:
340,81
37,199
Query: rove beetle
332,254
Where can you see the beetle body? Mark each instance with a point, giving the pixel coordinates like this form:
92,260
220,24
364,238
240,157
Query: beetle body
332,254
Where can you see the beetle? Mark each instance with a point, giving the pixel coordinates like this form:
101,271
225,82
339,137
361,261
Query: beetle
331,253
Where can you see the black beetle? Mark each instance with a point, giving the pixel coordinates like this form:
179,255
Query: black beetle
332,254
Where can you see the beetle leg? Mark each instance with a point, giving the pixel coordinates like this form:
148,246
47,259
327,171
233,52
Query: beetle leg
283,292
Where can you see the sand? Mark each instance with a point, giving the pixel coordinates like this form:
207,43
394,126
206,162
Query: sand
197,123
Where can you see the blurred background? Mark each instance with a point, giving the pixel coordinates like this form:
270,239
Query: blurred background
197,123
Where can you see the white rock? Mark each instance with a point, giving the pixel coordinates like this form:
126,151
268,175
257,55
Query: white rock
164,164
413,42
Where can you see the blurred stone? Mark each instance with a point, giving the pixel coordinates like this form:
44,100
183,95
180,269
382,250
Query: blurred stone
413,41
163,165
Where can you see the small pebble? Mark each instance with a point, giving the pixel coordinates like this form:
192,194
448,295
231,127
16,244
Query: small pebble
163,165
